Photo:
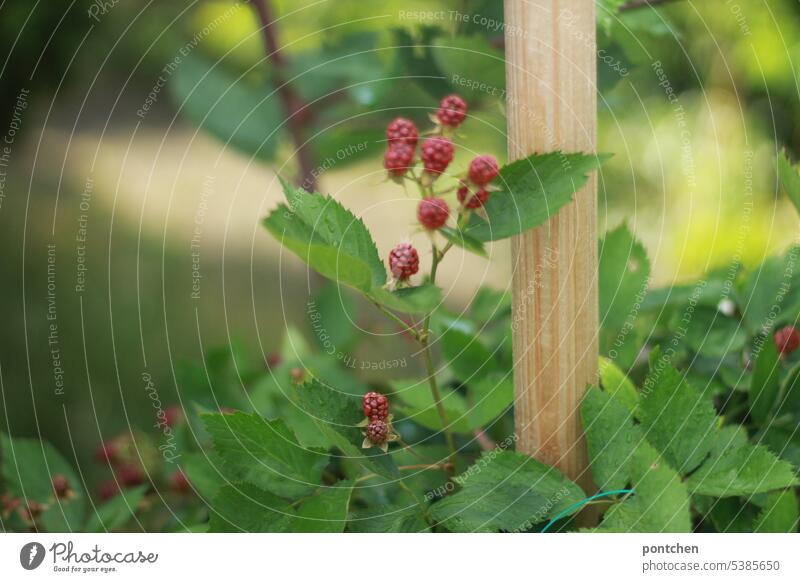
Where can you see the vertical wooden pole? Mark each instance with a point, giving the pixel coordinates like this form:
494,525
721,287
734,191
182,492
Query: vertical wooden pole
552,105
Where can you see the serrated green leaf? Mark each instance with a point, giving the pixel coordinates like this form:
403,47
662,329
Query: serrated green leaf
765,381
338,414
712,334
116,512
388,519
265,453
660,503
531,190
676,419
326,511
461,239
505,491
243,507
205,473
780,515
488,398
611,437
617,384
775,283
28,468
789,179
735,468
420,299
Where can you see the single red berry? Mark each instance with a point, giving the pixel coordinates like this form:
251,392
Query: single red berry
107,453
452,111
179,482
433,213
483,169
60,486
377,432
130,475
172,414
787,340
402,130
298,374
376,406
108,489
437,153
274,360
398,159
403,262
9,504
474,199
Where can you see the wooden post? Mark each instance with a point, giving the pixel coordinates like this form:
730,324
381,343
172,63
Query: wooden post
552,105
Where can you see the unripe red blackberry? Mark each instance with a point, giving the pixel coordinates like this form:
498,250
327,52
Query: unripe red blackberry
179,482
107,453
452,111
433,213
130,475
787,340
108,489
9,504
32,510
298,375
274,360
398,159
403,262
376,406
472,199
377,432
60,486
402,130
483,169
437,153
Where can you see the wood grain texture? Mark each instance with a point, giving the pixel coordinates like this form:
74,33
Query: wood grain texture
552,105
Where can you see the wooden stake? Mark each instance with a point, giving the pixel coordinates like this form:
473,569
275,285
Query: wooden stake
552,105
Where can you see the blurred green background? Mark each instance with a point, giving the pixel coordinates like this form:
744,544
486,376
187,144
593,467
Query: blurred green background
113,159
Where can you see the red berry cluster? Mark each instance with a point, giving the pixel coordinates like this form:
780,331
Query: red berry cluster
474,193
402,136
787,340
403,261
378,421
28,509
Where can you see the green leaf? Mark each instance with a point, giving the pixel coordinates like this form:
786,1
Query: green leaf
740,469
205,473
765,382
415,402
780,515
488,398
420,299
617,384
265,453
466,356
676,419
245,507
531,190
611,437
325,512
461,239
331,314
338,414
505,491
238,112
28,468
116,512
623,276
714,335
388,519
660,503
784,442
771,293
789,179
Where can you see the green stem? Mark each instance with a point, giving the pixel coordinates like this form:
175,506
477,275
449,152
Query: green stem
437,395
